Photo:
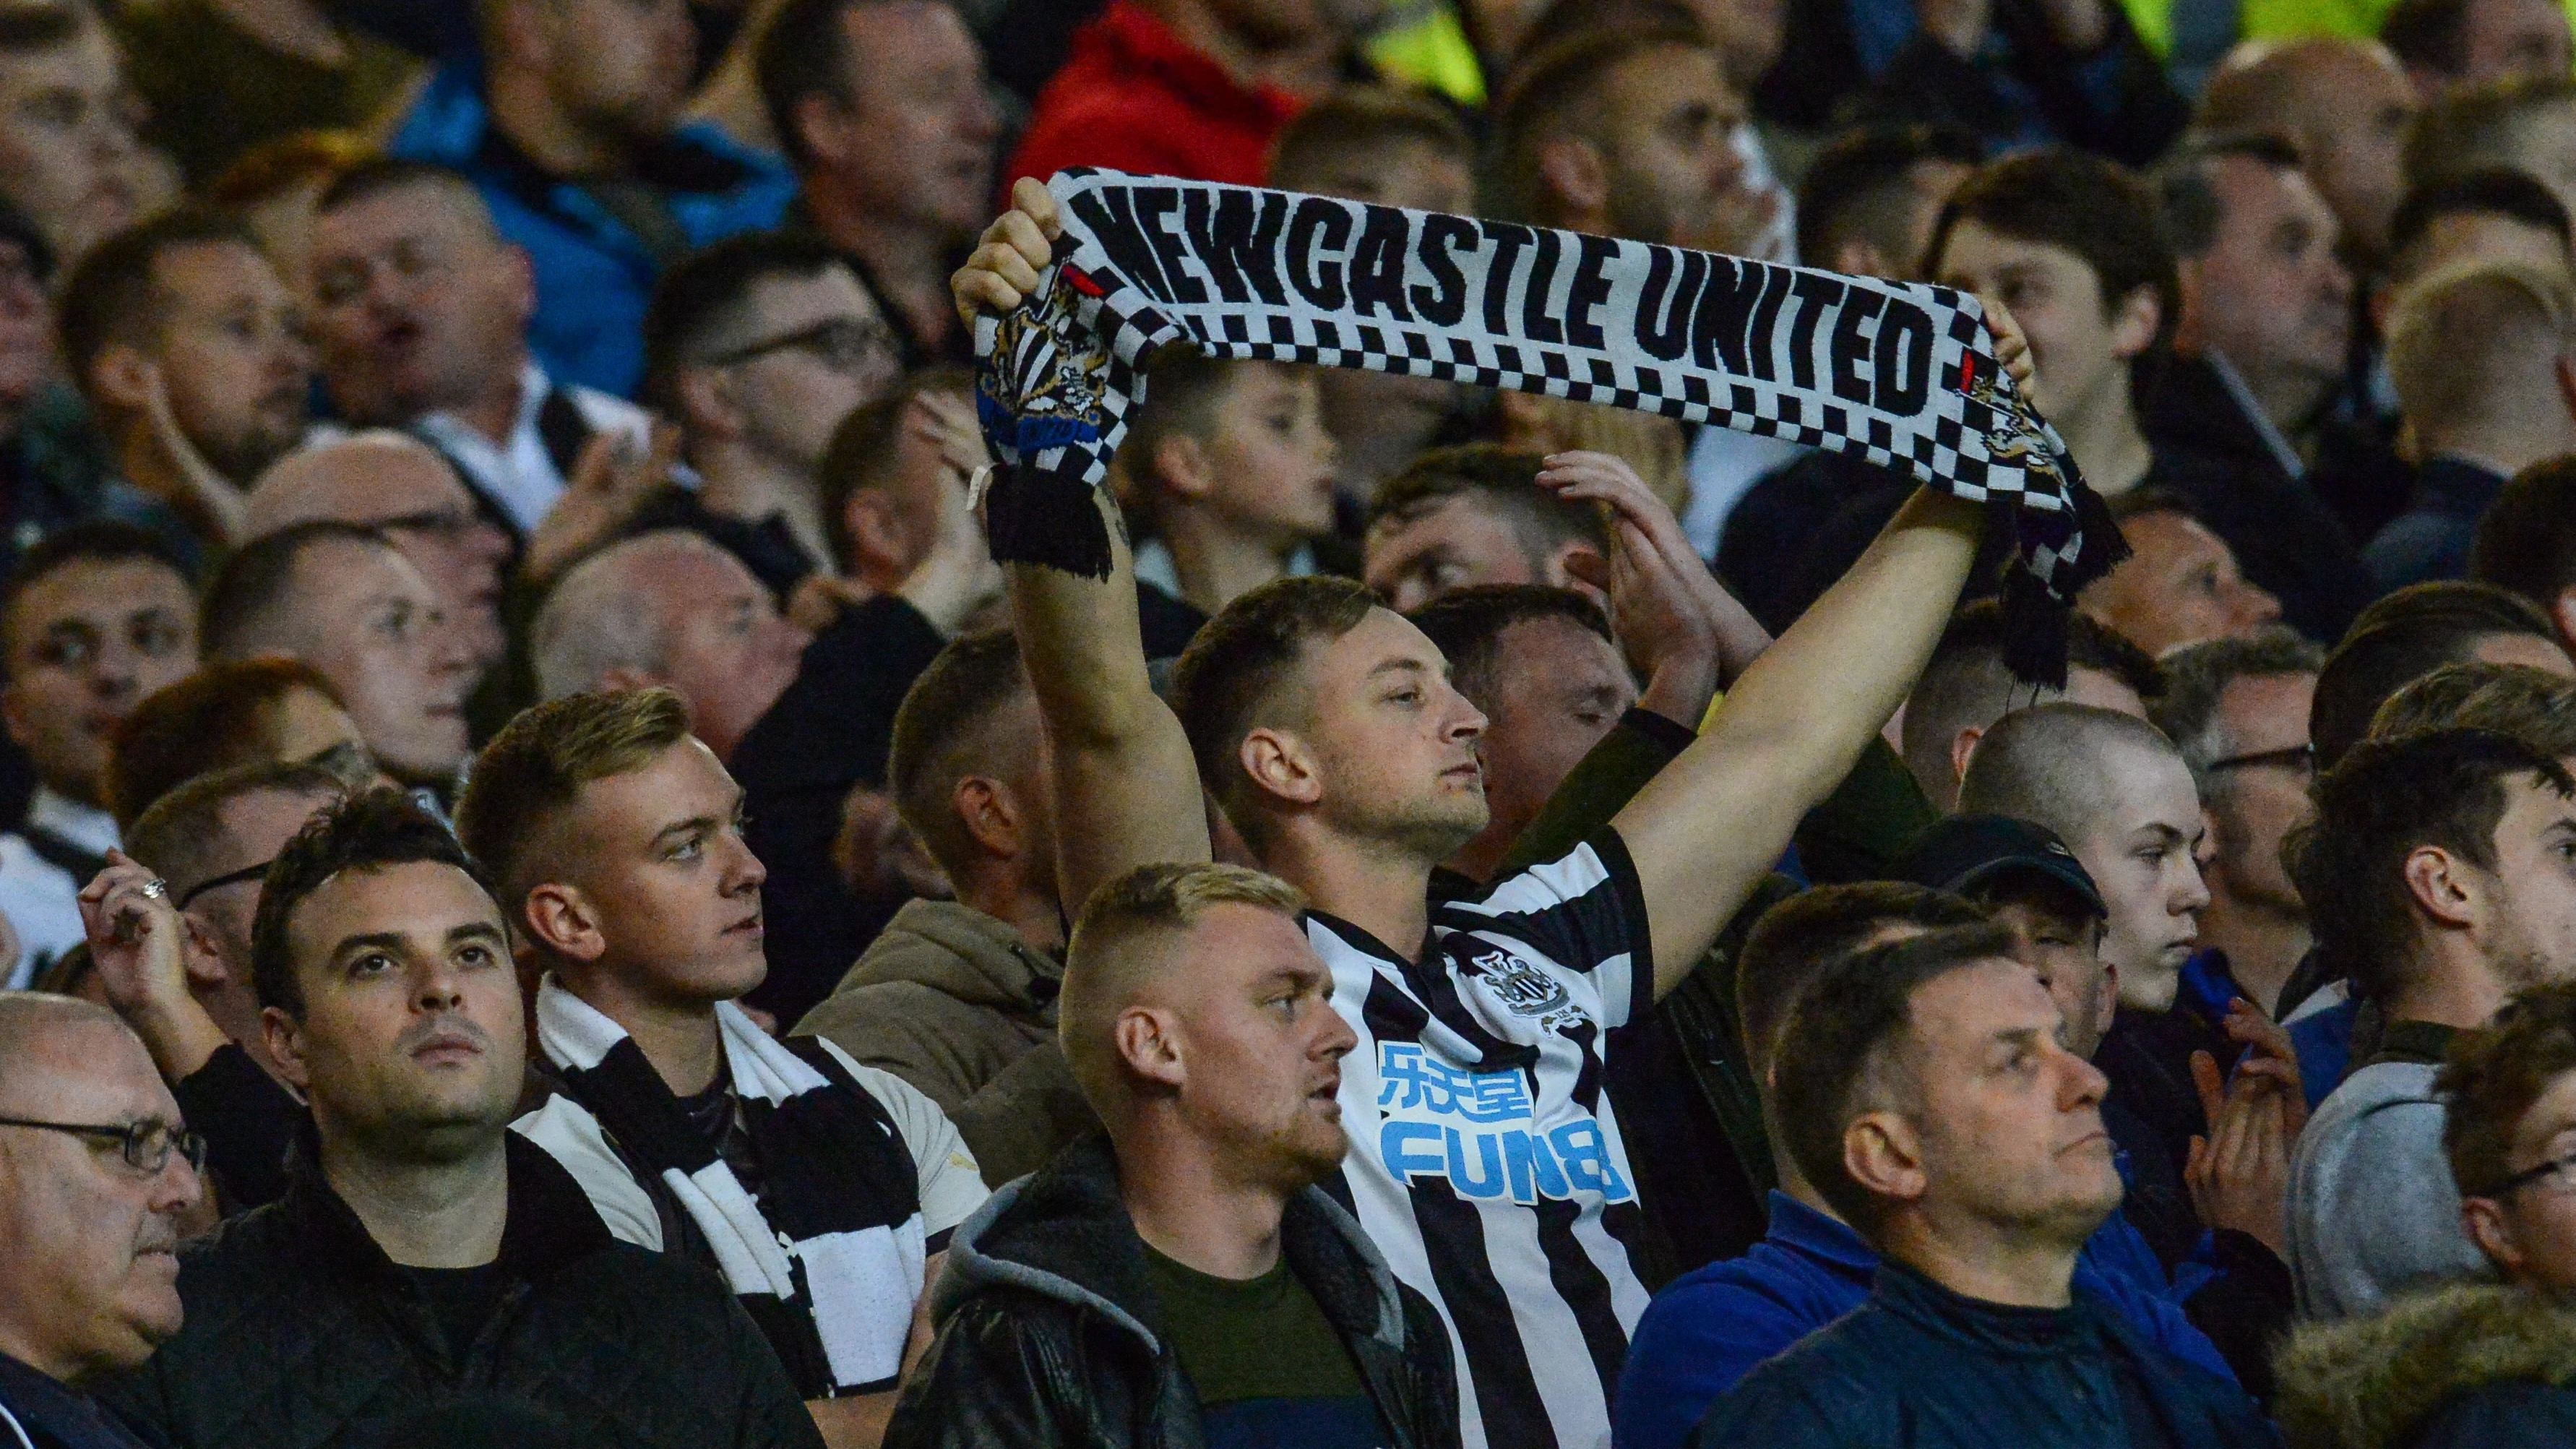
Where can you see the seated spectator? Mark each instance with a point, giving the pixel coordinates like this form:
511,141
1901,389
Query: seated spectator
2259,353
571,128
2180,583
272,189
477,1266
183,982
1390,148
2526,542
401,487
1470,515
2238,711
192,356
1234,473
223,77
674,610
1188,88
87,1290
421,311
2494,215
2428,877
346,601
760,346
254,711
70,157
2521,123
2484,1364
2484,361
2410,634
958,997
93,619
1270,1318
2454,45
882,109
1925,1096
1966,688
615,840
2342,104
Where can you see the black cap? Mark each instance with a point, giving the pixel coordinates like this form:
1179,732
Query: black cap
1966,853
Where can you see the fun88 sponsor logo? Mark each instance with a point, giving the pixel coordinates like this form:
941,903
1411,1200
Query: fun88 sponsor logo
1479,1132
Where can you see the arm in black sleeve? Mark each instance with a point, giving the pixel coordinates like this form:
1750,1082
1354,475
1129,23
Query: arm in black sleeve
247,1120
982,1382
1435,1372
1598,787
772,1416
2246,1309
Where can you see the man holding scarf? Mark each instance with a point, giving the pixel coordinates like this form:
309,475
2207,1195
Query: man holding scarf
823,1191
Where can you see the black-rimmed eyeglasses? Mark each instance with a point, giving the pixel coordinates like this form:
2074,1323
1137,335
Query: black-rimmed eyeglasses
230,877
2561,1168
2299,759
146,1145
844,344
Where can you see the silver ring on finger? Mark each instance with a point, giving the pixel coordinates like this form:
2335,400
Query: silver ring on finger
155,889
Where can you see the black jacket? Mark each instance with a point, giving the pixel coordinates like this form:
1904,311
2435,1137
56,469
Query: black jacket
1049,1335
1920,1367
301,1334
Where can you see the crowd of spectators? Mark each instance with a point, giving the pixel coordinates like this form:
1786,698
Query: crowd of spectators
553,893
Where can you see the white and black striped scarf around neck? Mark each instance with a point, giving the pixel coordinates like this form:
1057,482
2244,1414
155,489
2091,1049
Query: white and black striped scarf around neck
1900,374
828,1259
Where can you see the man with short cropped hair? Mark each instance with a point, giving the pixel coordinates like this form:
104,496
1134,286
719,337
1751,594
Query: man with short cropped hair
1241,1297
2493,214
2180,584
1869,200
97,1173
2410,634
424,1254
821,1190
2343,103
93,620
2452,45
1476,514
249,712
2526,542
2525,123
1966,688
1927,1097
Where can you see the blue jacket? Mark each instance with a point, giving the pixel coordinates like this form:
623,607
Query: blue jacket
2430,540
1920,1367
1710,1328
594,274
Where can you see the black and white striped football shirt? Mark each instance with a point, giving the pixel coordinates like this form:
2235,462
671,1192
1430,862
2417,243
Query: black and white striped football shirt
1485,1161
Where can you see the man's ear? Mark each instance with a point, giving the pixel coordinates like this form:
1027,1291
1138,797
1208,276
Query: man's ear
285,1039
2187,327
1962,745
829,131
2562,612
705,396
1181,467
1576,172
561,920
1279,763
1148,1043
13,712
1578,565
1883,1154
205,965
986,807
2135,322
2440,887
2483,1219
122,374
523,280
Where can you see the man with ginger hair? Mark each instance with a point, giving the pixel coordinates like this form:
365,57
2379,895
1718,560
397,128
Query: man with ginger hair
1255,1303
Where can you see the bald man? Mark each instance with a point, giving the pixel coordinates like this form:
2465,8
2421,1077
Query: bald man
401,487
96,1173
2343,103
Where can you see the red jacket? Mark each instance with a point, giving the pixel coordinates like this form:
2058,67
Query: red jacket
1135,97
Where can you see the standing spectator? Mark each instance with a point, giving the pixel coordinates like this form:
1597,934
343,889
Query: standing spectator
2484,359
346,601
958,997
223,76
1200,1024
1193,88
2238,711
673,610
87,1289
424,1253
572,134
192,356
890,465
93,619
821,1190
1966,688
1235,476
69,155
760,346
1926,1097
421,314
2342,104
2180,584
1473,515
881,107
2526,542
2454,45
2434,882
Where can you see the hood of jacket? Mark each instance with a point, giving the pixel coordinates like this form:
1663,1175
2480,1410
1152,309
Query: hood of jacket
1063,1232
961,952
2371,1383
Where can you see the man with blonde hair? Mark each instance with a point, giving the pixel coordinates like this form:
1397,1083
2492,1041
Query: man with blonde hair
1196,1228
823,1191
2483,357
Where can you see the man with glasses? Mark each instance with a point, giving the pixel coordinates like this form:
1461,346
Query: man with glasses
421,311
760,346
96,1175
2238,711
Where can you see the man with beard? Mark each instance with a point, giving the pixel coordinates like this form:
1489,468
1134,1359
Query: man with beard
191,353
1200,1025
424,1254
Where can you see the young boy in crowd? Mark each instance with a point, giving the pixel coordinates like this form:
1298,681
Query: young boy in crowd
1233,472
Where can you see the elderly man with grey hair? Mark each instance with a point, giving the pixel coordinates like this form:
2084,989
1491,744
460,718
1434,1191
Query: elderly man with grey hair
96,1174
669,608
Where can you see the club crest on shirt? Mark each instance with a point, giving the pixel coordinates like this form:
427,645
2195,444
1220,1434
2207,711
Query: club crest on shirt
1524,990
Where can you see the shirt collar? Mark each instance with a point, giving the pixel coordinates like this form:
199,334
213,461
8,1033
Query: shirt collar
86,826
1803,1230
56,1412
2243,396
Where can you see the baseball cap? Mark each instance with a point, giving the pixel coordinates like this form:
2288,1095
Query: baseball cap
1966,853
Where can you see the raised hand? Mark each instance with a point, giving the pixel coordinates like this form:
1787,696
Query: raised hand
610,480
140,944
1003,269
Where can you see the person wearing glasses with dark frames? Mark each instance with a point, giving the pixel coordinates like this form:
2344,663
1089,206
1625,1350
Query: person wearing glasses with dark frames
97,1179
177,966
2485,1363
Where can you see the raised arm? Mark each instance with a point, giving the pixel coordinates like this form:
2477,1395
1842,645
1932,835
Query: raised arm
1126,788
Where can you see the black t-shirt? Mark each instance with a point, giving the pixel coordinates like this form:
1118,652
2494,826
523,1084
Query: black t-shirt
717,1114
1269,1370
461,1299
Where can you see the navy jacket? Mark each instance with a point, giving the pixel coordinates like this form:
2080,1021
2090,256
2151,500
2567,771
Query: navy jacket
1920,1367
1710,1328
2430,540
